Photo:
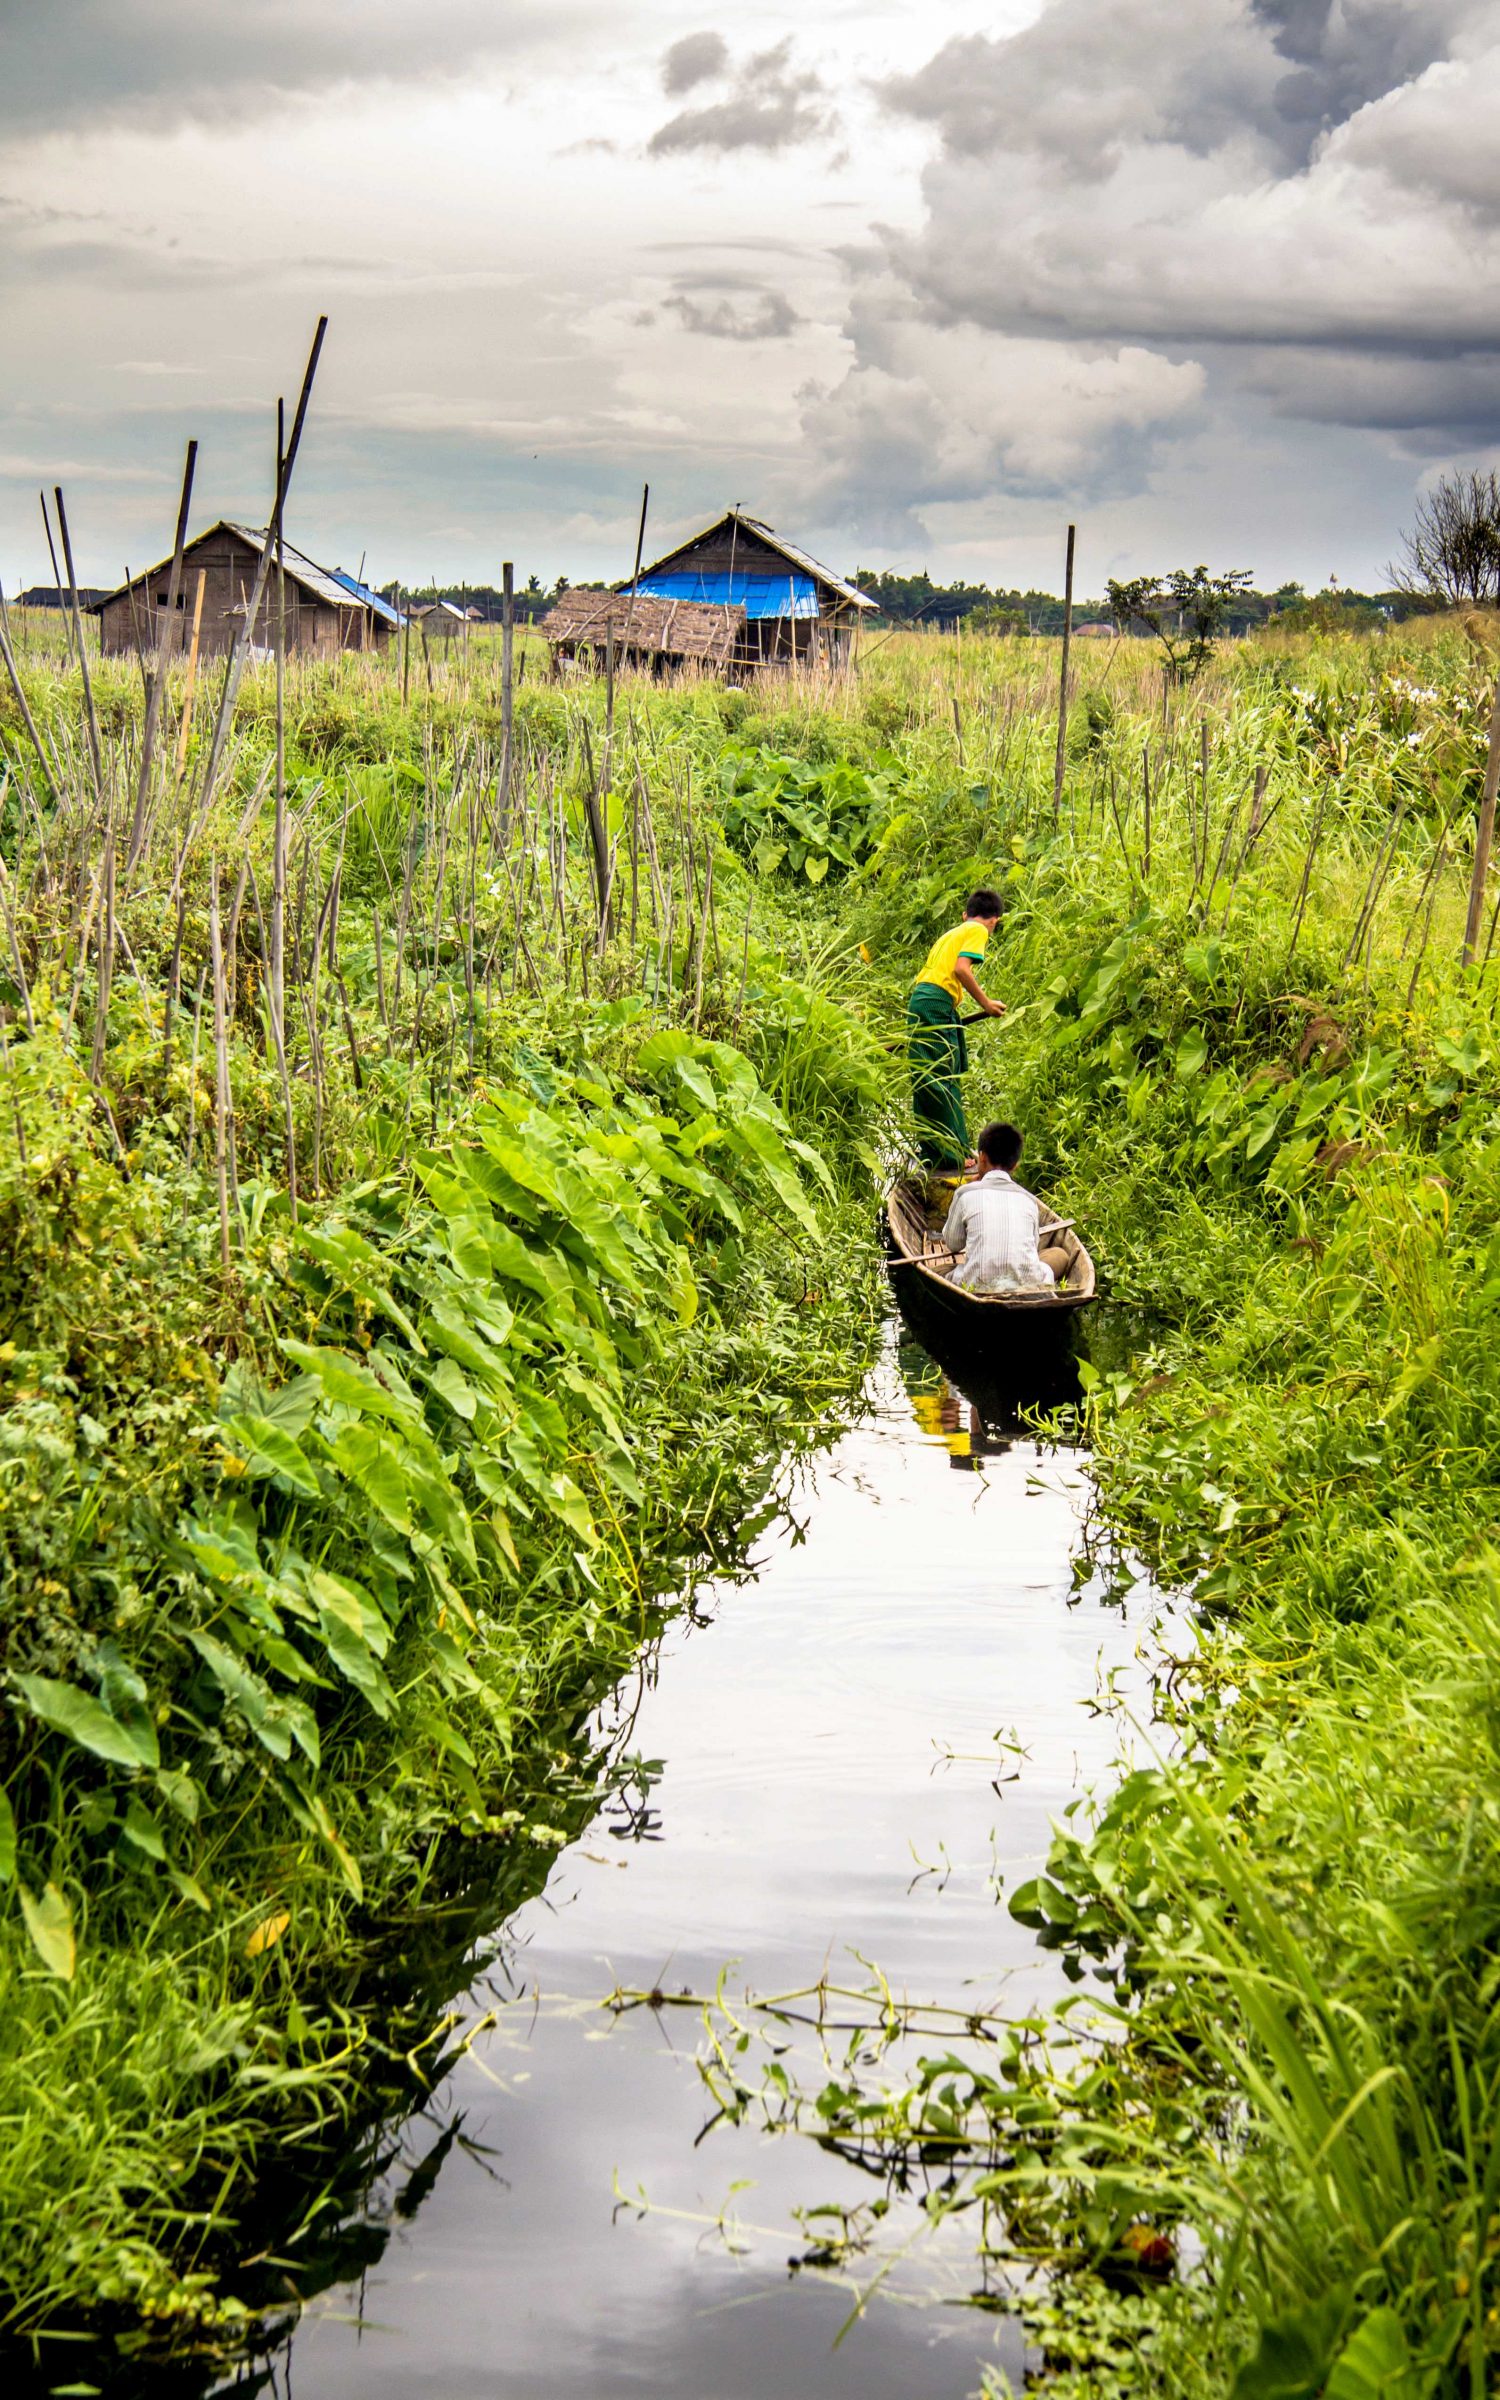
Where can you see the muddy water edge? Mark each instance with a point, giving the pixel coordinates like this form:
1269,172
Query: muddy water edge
835,1766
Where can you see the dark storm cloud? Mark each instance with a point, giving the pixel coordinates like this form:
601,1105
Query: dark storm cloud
1091,76
733,308
769,103
695,59
1143,221
165,60
1339,58
1170,186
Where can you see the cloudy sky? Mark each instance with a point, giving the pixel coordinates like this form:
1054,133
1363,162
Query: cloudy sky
1220,278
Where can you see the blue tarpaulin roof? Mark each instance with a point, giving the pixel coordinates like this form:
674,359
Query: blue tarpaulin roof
758,595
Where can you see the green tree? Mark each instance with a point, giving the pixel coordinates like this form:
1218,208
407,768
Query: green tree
1185,611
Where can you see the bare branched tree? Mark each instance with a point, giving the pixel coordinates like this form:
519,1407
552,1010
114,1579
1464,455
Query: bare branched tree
1452,552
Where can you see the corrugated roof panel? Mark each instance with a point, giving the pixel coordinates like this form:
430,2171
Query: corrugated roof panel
373,600
327,584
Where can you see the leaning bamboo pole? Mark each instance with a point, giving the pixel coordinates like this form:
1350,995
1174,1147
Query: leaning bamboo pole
1484,835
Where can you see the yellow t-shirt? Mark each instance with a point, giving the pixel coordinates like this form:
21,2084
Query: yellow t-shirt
969,940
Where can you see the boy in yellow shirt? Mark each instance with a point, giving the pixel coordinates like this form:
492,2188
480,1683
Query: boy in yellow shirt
938,1052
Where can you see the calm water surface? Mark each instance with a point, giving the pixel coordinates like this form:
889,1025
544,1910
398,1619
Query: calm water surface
831,1789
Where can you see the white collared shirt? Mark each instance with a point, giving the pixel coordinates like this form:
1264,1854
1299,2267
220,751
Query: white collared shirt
994,1223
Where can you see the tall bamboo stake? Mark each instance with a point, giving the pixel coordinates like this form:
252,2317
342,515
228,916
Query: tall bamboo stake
1484,835
165,643
91,714
190,685
235,664
57,580
278,837
221,1069
507,676
13,672
1062,690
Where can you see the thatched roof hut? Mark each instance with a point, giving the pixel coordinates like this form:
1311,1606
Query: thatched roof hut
644,630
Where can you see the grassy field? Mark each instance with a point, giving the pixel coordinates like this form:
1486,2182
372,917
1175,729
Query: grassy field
399,1147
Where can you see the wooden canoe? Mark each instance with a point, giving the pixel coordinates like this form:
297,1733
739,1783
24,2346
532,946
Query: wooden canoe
917,1249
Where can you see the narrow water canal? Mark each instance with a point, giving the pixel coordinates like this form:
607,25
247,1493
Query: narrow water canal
831,1789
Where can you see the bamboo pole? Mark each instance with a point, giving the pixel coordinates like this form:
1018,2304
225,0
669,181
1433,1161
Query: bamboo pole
278,837
190,685
91,714
165,641
1062,691
13,672
235,664
221,1069
1484,836
507,677
57,580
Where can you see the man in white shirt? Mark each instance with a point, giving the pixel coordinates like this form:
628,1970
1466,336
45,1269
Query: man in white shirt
994,1222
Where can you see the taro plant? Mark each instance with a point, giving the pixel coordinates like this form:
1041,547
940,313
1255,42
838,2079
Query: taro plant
809,819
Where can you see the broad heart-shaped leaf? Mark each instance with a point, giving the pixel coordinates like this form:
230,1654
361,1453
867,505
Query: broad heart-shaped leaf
674,1049
267,1721
274,1451
1376,2364
141,1830
815,866
356,1663
290,1406
449,1380
1292,2359
757,1135
373,1461
345,1380
446,1330
71,1712
1192,1051
49,1921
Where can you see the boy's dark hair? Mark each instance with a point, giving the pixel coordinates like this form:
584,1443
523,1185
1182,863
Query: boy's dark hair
1001,1145
983,903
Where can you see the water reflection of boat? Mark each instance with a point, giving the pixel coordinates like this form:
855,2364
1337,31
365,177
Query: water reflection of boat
960,1424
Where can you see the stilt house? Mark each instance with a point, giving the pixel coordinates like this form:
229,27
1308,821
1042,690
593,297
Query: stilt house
793,607
326,610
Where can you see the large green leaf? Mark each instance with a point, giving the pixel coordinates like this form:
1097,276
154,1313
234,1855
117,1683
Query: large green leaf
1376,2364
347,1381
271,1450
82,1720
1292,2358
374,1463
49,1921
267,1719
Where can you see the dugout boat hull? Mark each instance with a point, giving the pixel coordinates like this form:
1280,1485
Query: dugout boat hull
921,1271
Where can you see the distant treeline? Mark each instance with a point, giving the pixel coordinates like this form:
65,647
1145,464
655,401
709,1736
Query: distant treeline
531,602
905,599
982,608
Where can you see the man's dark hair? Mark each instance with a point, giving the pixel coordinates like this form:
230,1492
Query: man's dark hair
983,903
1001,1145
